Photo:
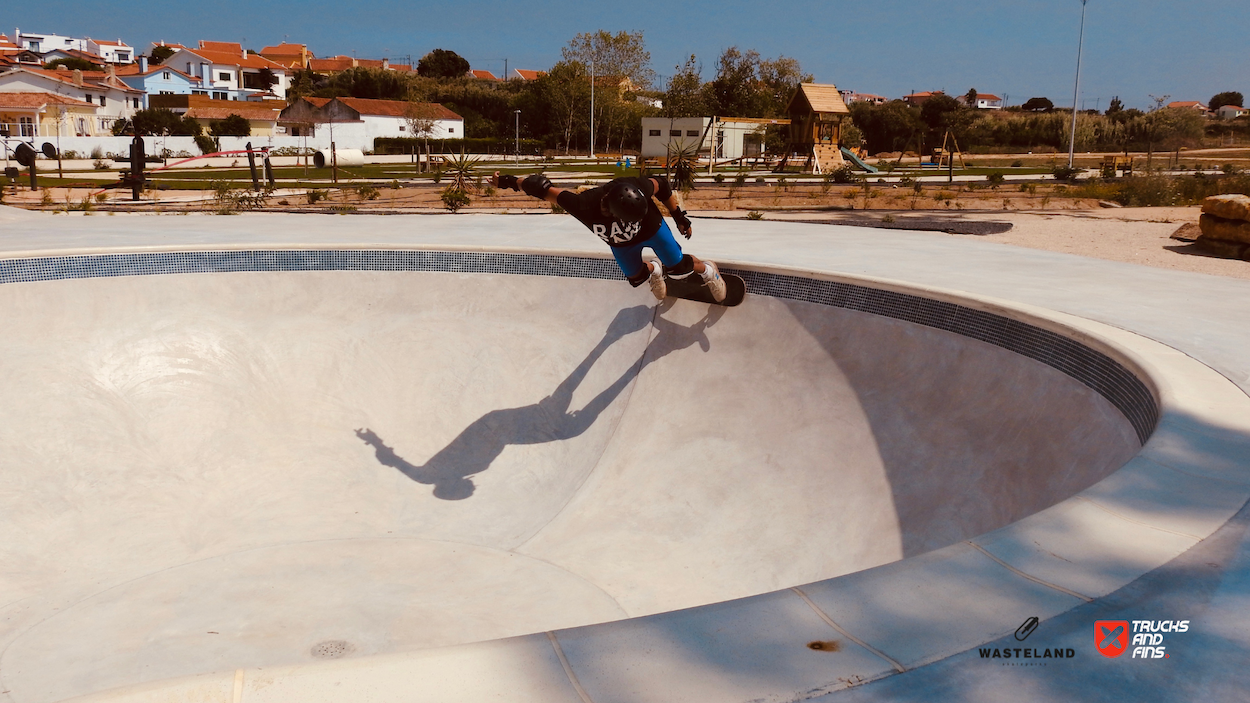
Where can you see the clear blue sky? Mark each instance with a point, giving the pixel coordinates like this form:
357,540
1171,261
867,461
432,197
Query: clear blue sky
1189,49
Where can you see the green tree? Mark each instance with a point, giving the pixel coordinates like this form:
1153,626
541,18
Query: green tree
1230,97
266,79
231,126
159,54
734,92
970,98
888,127
1115,106
72,63
160,120
442,64
683,96
623,54
778,79
565,93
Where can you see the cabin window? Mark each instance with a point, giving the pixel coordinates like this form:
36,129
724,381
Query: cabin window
653,133
692,133
674,132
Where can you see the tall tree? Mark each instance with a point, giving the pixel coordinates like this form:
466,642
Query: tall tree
684,94
734,92
970,98
565,90
778,79
160,52
623,55
442,63
1230,97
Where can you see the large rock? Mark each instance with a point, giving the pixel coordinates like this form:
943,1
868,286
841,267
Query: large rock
1230,207
1224,248
1222,228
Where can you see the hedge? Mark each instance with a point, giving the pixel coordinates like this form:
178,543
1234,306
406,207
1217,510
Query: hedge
472,145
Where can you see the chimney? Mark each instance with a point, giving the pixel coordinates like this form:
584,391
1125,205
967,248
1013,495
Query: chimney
78,77
386,64
143,64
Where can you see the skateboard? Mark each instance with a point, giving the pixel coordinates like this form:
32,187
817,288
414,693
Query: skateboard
692,288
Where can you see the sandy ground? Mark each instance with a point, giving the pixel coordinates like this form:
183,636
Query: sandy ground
1132,235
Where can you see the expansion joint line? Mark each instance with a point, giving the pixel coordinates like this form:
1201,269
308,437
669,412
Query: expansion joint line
829,621
568,669
1030,577
238,687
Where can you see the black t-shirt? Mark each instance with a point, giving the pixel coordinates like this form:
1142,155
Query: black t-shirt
585,207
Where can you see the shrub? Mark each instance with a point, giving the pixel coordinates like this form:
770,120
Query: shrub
314,195
454,198
719,178
844,174
1065,173
755,215
760,179
368,192
1017,163
995,179
206,144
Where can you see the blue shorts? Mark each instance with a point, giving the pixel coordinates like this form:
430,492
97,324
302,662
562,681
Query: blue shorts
662,243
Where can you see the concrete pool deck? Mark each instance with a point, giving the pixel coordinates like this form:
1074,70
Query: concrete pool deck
1177,547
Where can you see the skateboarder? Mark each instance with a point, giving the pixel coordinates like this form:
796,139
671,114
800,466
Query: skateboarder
622,214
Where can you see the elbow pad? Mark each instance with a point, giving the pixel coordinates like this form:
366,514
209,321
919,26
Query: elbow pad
536,185
663,190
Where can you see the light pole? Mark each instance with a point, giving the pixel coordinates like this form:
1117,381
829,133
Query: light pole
1076,91
517,148
592,102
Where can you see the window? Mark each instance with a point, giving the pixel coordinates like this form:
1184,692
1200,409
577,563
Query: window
223,76
194,92
166,75
89,98
27,126
220,96
82,127
692,133
170,92
101,101
653,133
136,103
188,67
122,56
674,132
401,128
451,130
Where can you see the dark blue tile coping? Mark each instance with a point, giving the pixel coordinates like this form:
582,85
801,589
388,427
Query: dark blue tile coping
1118,385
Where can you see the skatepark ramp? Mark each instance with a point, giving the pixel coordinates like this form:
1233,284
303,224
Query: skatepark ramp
227,459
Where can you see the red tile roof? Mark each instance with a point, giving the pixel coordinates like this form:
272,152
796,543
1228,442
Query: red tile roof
245,110
132,69
1187,103
39,100
395,108
92,79
334,63
101,42
484,75
529,75
226,46
285,49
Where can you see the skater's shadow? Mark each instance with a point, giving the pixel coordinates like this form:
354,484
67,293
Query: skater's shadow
473,451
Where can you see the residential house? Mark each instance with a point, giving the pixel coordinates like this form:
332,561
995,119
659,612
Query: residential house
1191,105
1228,112
117,52
262,115
158,80
227,71
293,57
985,101
527,75
114,99
43,114
482,75
850,96
356,122
43,43
335,64
50,56
917,99
12,54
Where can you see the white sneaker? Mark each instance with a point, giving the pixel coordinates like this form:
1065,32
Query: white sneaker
713,281
658,288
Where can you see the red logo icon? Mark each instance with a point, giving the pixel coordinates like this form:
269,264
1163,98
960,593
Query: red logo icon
1111,637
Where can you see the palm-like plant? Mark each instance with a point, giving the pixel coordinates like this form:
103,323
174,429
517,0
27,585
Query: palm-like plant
462,170
681,165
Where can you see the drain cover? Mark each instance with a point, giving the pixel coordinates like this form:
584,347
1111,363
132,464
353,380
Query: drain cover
332,649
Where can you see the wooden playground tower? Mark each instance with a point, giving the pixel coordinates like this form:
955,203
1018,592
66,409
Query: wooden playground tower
816,113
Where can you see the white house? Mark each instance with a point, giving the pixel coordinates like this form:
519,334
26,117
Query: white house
1228,112
158,80
985,101
42,43
118,52
227,71
113,98
356,122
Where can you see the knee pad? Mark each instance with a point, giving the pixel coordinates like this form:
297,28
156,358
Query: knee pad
684,268
641,278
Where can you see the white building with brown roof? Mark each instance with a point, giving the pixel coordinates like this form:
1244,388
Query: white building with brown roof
357,122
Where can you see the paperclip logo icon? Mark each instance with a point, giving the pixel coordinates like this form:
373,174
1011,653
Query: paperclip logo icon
1111,637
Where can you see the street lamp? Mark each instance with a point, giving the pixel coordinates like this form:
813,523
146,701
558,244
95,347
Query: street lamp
1076,91
517,148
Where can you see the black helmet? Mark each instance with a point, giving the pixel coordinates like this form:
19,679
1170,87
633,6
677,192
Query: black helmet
626,201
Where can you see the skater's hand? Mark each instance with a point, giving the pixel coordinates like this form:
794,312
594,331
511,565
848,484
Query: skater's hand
683,223
499,181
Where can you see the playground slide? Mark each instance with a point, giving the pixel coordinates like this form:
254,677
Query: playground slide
859,163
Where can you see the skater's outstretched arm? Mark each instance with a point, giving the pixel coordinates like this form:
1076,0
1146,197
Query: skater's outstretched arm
537,185
665,195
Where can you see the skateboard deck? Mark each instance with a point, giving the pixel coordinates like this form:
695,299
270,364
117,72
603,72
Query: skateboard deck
692,288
